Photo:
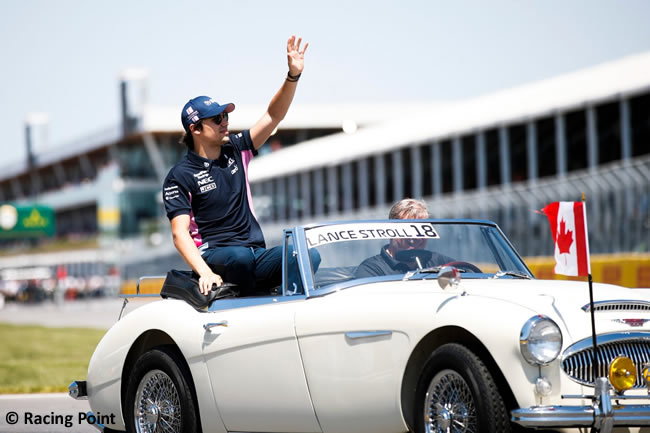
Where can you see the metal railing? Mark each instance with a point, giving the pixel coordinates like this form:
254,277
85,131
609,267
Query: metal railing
618,208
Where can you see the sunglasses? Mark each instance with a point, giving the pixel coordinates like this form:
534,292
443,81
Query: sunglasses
219,118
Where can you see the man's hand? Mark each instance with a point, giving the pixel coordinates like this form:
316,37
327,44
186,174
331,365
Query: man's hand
296,56
206,281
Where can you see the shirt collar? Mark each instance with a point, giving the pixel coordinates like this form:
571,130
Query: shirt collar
204,162
198,159
394,264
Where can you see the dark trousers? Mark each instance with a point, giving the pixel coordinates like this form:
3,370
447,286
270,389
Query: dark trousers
254,270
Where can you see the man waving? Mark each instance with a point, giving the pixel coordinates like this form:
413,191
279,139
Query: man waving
207,196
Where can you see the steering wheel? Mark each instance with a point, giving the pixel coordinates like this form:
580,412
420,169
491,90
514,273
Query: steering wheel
410,255
464,265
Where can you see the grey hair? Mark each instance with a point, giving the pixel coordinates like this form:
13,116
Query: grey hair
409,208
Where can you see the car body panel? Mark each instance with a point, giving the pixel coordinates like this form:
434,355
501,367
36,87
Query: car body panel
254,361
337,358
184,325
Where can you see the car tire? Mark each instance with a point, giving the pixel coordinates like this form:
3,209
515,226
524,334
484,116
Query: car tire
456,393
159,391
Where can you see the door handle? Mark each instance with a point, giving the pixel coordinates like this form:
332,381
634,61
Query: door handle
208,326
366,334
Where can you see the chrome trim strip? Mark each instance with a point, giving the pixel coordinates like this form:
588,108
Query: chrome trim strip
586,343
580,416
622,302
601,414
577,362
304,262
253,301
208,326
366,334
431,220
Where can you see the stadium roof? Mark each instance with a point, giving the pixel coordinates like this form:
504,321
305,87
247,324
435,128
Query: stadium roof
390,125
625,77
160,119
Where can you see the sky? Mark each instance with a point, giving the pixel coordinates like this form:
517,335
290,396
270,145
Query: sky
64,58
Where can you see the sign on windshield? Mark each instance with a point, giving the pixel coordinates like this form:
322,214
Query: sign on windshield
348,232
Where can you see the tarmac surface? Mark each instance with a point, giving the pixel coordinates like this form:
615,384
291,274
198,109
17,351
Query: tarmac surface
99,313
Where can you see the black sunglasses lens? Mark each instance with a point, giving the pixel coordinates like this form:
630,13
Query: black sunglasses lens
219,118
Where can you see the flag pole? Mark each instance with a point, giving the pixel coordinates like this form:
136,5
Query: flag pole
591,306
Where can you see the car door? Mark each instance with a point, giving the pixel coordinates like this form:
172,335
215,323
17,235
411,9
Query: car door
354,360
255,366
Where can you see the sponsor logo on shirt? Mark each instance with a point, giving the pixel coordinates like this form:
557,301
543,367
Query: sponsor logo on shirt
235,168
205,180
201,174
209,187
171,192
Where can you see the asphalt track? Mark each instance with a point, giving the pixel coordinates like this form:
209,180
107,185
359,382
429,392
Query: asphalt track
99,313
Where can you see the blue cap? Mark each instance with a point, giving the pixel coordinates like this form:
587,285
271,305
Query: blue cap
202,107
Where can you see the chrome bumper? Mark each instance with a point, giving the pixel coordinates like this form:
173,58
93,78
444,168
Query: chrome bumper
601,415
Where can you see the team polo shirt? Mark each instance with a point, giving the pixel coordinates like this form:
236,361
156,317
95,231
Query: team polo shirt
216,195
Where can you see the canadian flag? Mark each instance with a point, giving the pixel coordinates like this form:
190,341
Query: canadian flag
568,220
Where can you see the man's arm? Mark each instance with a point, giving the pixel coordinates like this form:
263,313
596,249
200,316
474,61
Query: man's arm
186,247
280,103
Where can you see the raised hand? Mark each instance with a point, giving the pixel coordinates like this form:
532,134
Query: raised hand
296,56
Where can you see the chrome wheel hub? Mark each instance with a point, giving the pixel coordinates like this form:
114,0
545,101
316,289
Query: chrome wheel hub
151,414
157,407
449,405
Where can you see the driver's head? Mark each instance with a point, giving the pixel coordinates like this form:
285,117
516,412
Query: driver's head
407,208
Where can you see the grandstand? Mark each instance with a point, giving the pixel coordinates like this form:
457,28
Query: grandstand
498,156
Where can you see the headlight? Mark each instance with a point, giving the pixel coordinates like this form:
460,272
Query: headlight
540,341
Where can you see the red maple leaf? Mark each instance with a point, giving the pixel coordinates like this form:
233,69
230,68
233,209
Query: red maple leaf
564,238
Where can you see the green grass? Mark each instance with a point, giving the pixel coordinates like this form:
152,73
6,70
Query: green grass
40,359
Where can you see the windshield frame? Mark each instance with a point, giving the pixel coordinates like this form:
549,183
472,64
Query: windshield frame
302,248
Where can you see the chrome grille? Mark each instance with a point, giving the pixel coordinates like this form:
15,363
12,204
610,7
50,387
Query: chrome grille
619,305
577,359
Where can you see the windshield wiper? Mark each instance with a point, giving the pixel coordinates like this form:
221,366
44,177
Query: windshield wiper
430,270
517,274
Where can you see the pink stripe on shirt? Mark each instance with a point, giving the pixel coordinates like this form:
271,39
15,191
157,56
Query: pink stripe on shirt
246,157
194,228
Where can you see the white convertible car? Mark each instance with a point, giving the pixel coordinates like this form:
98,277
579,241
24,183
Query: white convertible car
380,327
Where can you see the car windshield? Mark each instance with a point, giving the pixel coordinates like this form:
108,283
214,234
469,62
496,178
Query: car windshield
411,248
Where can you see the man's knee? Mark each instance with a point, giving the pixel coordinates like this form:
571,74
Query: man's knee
241,259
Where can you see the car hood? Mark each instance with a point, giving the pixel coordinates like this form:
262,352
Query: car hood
568,301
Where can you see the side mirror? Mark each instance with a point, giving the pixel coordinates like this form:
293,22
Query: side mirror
449,277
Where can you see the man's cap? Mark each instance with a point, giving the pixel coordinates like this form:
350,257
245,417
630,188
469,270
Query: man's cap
202,107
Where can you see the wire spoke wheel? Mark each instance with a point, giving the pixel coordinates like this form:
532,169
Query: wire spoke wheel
157,405
449,406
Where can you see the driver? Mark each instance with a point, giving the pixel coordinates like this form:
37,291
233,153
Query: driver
386,262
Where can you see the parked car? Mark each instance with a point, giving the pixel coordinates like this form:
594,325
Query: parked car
457,336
